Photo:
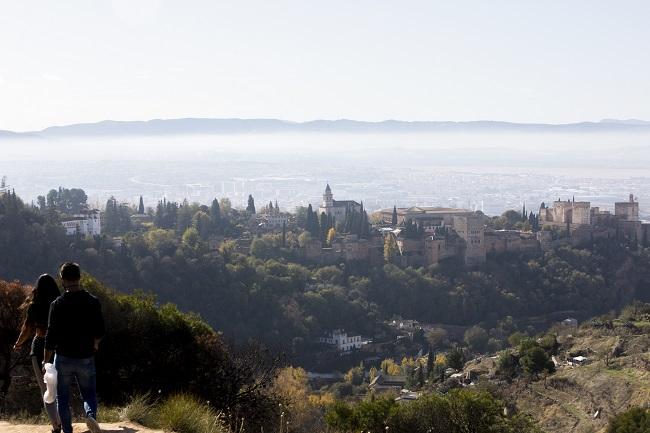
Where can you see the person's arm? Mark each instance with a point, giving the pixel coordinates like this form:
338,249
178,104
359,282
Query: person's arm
47,358
52,334
100,328
26,331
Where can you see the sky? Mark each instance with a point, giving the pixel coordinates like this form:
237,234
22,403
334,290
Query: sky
552,61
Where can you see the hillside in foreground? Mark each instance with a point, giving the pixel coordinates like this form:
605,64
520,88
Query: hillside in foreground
581,397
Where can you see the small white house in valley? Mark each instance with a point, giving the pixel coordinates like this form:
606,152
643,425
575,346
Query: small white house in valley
86,223
343,341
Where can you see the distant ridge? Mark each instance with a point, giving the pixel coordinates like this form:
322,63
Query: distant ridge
162,127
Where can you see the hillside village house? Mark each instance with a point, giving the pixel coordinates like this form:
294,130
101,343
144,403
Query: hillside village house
86,223
342,341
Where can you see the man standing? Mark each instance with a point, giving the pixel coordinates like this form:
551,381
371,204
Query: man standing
74,330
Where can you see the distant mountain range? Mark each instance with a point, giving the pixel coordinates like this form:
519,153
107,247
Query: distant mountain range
162,127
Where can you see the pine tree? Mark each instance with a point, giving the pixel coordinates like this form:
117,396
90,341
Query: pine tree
141,207
284,234
394,218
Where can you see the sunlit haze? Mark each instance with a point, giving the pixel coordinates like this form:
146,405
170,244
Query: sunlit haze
552,61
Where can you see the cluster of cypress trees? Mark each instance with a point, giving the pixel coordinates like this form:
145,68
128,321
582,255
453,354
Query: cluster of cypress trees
413,230
356,222
117,217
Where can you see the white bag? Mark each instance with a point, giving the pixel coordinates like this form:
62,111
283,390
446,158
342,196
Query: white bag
50,381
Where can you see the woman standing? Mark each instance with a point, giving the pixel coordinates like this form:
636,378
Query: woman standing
36,309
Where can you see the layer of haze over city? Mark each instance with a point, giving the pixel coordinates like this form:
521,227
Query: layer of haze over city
545,104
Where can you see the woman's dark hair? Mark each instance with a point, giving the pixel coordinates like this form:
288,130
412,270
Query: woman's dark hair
42,295
46,289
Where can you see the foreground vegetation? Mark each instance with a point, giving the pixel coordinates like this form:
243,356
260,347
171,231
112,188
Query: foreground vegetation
150,348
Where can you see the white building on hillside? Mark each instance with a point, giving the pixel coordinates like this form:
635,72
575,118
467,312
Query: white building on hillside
272,220
342,341
85,223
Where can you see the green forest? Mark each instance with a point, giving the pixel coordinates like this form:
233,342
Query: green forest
271,295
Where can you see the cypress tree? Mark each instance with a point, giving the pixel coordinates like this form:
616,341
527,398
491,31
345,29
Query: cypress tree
524,215
308,221
250,208
323,226
394,218
215,216
141,207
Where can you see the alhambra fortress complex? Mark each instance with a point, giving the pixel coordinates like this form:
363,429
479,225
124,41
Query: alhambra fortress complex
440,233
464,234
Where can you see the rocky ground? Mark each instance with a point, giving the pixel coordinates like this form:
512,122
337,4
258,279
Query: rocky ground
119,427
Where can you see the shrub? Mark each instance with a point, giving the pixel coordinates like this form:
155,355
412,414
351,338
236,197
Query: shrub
476,339
141,409
456,359
12,296
635,420
507,364
459,411
183,413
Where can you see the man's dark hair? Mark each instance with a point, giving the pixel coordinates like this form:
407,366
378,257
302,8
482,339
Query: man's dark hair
70,271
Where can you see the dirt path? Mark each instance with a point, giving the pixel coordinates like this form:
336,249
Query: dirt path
118,427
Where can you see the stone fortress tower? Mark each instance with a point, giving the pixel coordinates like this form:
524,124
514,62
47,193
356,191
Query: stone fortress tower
627,210
569,213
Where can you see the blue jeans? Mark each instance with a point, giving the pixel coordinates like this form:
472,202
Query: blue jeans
84,371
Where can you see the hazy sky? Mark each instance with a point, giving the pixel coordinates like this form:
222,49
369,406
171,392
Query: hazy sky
527,61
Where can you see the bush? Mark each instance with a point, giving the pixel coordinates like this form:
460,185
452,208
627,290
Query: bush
535,360
12,296
456,359
476,339
635,420
459,411
183,413
141,410
507,365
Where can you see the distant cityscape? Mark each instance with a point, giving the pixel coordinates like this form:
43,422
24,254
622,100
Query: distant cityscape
491,192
